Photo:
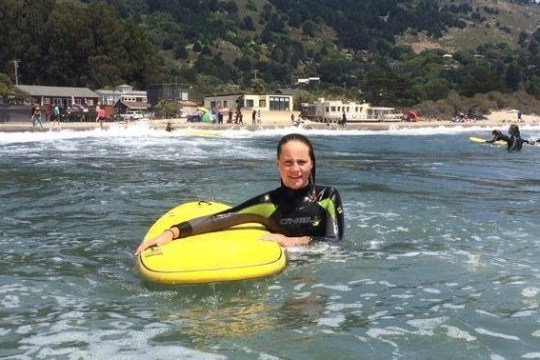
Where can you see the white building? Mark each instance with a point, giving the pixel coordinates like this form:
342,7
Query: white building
122,93
263,102
333,110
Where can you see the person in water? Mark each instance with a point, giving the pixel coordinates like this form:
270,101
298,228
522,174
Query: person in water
513,139
298,212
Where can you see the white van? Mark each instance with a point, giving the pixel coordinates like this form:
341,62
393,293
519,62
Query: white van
132,115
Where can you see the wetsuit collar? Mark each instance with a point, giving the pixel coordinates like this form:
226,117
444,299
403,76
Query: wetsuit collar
296,196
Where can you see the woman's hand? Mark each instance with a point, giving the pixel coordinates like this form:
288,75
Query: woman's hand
164,238
286,241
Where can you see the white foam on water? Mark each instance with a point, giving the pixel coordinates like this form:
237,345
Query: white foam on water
387,283
531,355
456,333
402,296
427,324
453,306
144,129
302,295
483,312
334,321
379,314
530,291
483,331
431,290
10,302
108,344
340,307
524,313
337,287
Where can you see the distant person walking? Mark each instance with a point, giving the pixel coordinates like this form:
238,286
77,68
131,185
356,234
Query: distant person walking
101,115
56,115
36,117
343,121
519,115
254,117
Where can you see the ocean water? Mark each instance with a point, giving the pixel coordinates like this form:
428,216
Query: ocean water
441,257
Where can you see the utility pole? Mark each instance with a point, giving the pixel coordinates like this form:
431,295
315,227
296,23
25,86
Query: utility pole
16,66
255,71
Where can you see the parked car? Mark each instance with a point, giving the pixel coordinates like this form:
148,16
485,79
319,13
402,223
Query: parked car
194,118
132,115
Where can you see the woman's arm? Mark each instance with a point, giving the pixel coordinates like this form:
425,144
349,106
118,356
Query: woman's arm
255,210
335,221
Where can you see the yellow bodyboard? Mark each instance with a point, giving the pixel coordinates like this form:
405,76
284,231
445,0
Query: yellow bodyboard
233,254
480,140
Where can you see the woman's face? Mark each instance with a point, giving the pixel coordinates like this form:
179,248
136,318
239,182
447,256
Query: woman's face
294,164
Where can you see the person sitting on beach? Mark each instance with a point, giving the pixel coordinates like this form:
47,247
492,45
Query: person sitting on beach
513,140
298,212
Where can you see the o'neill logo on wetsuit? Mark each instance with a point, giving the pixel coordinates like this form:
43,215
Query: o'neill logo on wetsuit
300,220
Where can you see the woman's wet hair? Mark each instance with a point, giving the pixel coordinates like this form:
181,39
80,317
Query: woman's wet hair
514,130
303,139
496,132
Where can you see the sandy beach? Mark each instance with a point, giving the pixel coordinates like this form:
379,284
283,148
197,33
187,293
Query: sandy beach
497,119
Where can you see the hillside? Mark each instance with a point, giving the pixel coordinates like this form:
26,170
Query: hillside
499,21
388,52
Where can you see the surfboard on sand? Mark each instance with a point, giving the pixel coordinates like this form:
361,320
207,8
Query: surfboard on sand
480,140
229,255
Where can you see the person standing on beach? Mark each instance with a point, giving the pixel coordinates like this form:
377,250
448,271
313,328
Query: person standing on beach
56,115
36,116
253,117
101,115
343,120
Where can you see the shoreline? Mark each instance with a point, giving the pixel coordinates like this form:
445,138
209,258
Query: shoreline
499,119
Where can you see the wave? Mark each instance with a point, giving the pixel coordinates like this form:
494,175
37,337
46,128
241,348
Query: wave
143,129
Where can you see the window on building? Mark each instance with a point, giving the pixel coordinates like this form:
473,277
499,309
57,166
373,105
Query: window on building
57,101
262,103
249,103
280,103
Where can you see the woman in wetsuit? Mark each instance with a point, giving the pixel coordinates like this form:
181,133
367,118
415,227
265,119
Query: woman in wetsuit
514,141
297,213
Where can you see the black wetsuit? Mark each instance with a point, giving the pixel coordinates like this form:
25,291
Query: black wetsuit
515,143
284,211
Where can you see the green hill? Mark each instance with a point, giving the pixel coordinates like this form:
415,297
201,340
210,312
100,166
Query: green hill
389,52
